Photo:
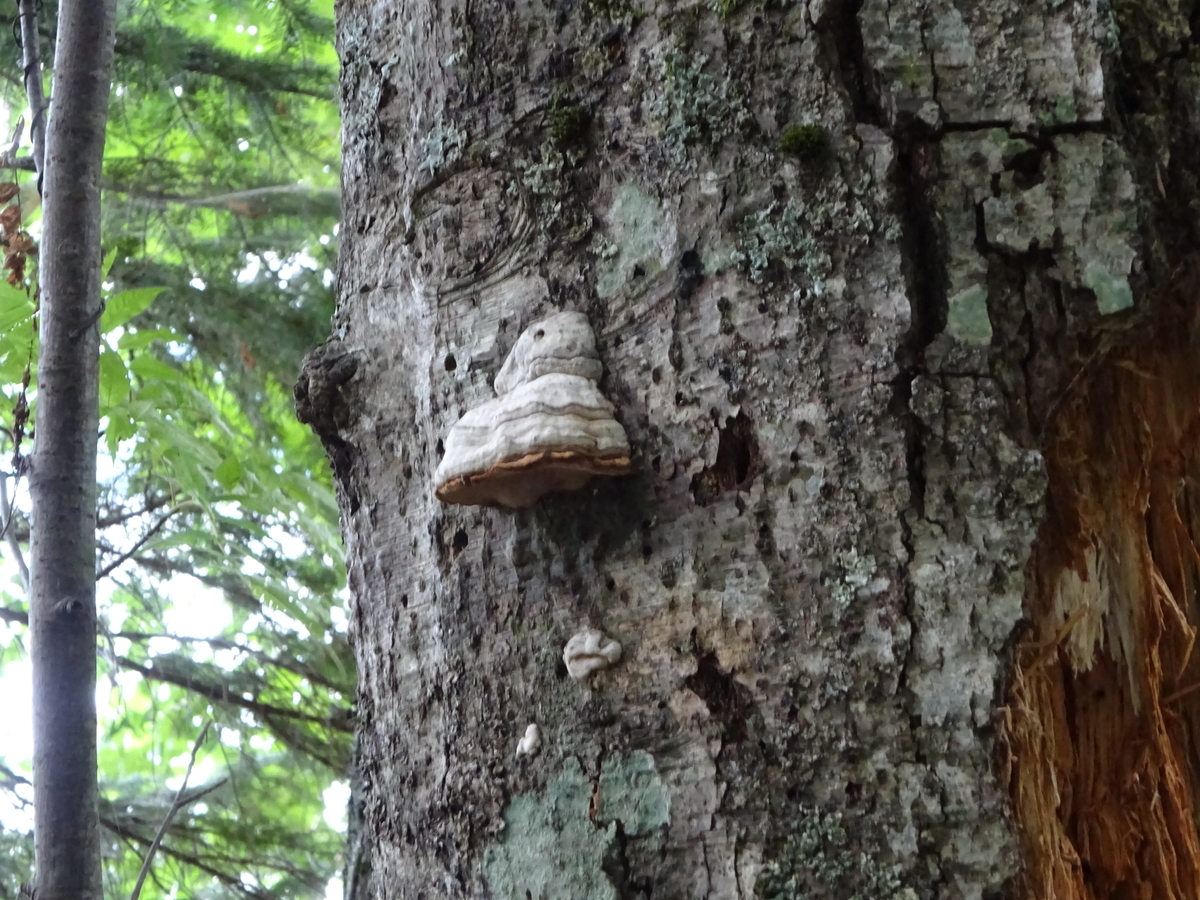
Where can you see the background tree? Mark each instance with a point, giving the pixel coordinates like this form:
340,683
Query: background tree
888,302
62,478
218,275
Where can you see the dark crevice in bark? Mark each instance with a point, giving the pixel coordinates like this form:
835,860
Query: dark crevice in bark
923,260
616,866
736,462
923,255
1154,123
727,701
975,125
846,36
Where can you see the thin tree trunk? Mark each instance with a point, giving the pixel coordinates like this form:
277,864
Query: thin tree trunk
31,58
860,274
63,468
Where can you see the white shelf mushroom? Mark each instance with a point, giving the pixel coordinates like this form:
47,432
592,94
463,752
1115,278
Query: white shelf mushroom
531,742
550,428
589,651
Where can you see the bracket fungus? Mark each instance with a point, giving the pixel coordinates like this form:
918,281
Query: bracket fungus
589,651
549,428
531,742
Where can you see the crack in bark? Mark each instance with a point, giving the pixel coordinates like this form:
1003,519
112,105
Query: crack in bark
846,34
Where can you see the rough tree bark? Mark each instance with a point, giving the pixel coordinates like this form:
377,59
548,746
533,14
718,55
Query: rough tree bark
890,304
62,476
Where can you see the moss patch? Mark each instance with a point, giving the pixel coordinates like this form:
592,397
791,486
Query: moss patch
809,143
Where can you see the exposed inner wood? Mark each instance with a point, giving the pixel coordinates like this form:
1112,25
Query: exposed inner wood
1097,739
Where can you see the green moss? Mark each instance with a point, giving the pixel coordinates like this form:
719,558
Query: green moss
725,8
1064,112
809,143
567,122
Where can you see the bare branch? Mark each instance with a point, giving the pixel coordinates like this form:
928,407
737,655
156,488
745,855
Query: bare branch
11,778
9,160
175,807
251,203
224,877
14,546
124,515
223,644
221,694
142,541
258,75
14,615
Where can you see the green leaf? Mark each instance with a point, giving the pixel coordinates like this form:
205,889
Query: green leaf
152,369
15,306
121,426
229,473
125,305
14,356
114,379
137,340
107,264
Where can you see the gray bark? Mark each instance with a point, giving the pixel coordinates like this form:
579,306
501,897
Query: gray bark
62,477
31,59
839,354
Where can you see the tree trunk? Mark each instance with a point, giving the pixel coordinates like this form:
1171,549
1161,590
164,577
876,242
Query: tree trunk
62,479
904,575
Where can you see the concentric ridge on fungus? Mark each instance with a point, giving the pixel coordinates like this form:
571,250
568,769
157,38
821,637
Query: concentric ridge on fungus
550,428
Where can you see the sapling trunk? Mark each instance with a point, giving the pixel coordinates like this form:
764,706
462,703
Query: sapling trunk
63,471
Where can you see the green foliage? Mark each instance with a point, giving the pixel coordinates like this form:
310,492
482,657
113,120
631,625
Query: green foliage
221,171
220,563
808,142
567,122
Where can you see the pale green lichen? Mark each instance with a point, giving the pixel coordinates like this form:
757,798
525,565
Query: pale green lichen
443,146
624,12
779,233
817,861
967,317
855,573
632,793
543,178
638,229
695,109
552,847
546,179
1113,294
